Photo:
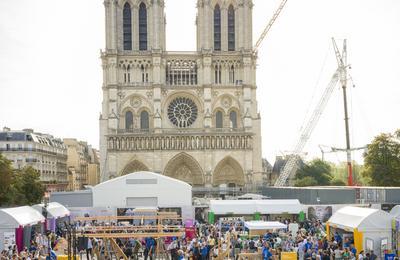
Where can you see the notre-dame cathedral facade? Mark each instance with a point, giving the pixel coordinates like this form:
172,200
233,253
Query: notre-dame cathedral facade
188,115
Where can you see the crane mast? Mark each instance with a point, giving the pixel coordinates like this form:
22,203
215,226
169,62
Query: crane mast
342,63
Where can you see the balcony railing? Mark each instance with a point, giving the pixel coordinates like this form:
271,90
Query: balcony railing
181,131
136,84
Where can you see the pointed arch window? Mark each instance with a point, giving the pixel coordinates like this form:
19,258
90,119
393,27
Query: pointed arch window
231,28
128,120
144,120
127,26
142,27
232,74
217,28
145,74
233,119
127,74
218,74
219,119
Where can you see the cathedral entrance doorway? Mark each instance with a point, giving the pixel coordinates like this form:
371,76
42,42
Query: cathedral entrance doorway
229,172
185,168
134,166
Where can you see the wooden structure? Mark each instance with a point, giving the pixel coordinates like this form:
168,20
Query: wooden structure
108,232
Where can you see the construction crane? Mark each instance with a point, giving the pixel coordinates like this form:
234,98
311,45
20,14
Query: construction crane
291,164
335,150
269,25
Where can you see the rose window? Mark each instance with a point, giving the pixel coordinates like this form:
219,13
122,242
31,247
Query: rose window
182,112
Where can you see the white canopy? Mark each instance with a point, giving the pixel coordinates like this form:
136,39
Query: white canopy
248,207
395,212
263,225
54,210
364,219
20,216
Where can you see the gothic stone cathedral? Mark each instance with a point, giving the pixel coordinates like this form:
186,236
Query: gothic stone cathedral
189,115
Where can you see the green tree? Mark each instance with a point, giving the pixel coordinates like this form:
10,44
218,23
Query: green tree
317,170
306,181
337,182
382,160
27,187
339,172
6,178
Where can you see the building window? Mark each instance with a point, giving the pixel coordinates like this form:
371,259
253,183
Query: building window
182,72
182,112
217,74
233,119
128,120
142,27
231,28
219,119
145,74
144,120
217,28
127,26
127,74
232,74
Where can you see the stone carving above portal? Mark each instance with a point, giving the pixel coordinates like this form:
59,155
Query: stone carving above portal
136,102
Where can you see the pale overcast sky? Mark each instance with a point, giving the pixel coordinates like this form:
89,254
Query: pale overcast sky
50,73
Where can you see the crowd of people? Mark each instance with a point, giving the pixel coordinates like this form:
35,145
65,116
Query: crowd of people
226,239
39,248
230,239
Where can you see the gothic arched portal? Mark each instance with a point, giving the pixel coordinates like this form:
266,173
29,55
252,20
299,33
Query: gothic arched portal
134,166
185,168
228,171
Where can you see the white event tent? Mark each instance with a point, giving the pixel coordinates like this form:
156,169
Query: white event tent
55,212
249,207
144,189
261,227
13,221
395,211
370,227
264,225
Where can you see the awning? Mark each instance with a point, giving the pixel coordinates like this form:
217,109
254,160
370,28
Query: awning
248,207
364,219
20,216
54,210
264,225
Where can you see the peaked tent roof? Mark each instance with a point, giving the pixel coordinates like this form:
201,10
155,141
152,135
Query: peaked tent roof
364,219
19,216
54,209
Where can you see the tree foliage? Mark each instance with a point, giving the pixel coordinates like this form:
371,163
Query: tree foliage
6,178
27,186
382,160
314,173
337,182
19,187
339,172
